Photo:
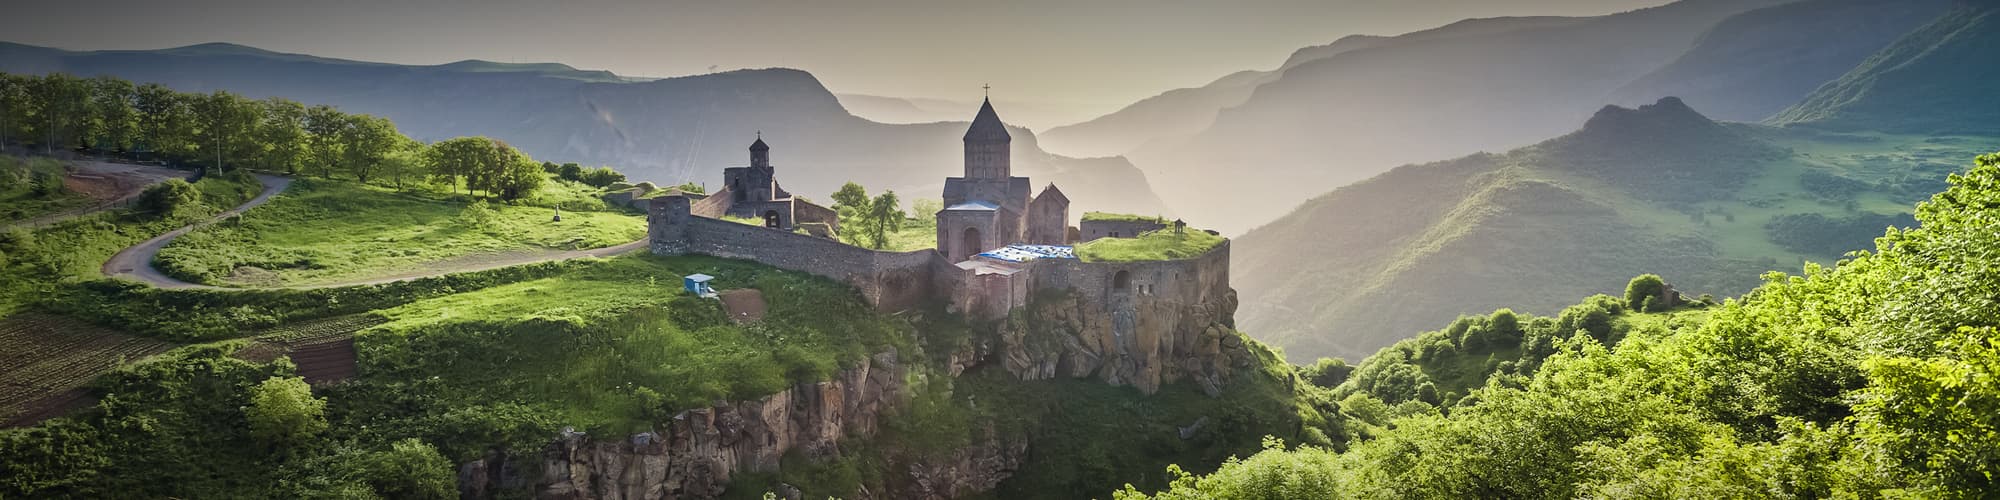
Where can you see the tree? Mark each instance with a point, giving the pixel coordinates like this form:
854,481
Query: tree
113,119
13,104
570,172
850,197
413,469
521,179
885,215
602,176
1641,288
61,103
925,210
228,125
165,120
406,161
283,411
323,146
366,142
283,132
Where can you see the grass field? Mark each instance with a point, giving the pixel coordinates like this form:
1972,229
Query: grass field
326,231
31,187
1163,244
42,357
618,345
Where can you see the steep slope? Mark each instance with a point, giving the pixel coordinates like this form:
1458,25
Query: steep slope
1658,189
667,130
1179,113
1760,62
1341,119
1937,79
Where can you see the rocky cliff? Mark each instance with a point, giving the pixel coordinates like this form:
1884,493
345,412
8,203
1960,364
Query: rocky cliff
1142,341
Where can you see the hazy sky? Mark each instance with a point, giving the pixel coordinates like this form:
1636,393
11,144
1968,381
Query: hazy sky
1090,53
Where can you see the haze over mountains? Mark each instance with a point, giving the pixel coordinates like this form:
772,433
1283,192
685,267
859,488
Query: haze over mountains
1658,189
666,130
1367,104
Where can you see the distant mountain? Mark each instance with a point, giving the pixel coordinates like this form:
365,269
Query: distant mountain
1940,78
667,130
1657,189
1342,118
1760,62
1179,113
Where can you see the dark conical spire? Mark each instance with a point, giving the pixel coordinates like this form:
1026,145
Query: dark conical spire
760,153
986,127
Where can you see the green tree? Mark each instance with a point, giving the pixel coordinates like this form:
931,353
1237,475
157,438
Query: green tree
413,469
61,104
324,126
283,411
366,143
228,128
283,132
14,105
407,161
602,176
165,123
925,210
884,216
113,119
851,198
522,177
1644,287
570,172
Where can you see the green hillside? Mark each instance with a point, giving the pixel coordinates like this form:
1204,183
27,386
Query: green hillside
1876,379
1935,80
1658,189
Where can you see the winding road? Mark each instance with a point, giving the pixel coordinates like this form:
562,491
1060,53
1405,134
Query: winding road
136,262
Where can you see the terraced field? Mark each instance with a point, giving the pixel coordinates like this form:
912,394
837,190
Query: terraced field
48,359
323,349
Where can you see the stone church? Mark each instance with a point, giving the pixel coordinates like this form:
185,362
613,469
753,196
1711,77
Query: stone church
989,207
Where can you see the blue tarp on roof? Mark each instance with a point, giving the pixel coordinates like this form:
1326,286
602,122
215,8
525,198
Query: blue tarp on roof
974,205
1024,253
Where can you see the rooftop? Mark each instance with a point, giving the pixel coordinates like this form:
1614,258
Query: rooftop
974,206
1024,253
1164,244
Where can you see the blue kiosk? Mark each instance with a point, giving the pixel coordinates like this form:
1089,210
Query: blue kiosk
698,284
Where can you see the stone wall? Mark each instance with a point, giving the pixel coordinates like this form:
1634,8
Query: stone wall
889,281
1094,229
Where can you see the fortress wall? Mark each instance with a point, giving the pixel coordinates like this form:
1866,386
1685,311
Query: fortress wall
890,281
807,212
1094,229
714,205
1198,280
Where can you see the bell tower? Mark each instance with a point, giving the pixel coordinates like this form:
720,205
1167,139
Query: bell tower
986,146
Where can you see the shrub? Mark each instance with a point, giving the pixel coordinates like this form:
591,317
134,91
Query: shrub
168,198
1643,288
283,411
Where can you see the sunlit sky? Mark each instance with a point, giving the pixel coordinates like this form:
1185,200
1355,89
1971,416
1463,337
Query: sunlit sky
1090,53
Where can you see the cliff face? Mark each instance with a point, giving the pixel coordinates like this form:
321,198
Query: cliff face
697,452
1138,341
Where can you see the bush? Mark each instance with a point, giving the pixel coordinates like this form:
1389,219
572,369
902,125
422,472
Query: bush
1642,289
168,198
283,411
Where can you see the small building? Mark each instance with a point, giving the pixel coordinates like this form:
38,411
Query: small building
698,284
753,192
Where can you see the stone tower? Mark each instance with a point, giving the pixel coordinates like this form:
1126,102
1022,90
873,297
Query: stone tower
986,146
760,154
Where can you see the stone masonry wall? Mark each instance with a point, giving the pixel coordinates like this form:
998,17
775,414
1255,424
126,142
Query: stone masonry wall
1094,229
890,281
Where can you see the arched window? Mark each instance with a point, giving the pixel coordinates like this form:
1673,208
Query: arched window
1121,281
972,243
771,219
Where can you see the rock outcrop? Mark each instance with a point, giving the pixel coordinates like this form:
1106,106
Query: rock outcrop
1143,342
699,450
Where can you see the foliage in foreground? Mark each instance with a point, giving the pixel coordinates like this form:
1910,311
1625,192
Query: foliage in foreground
1872,379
